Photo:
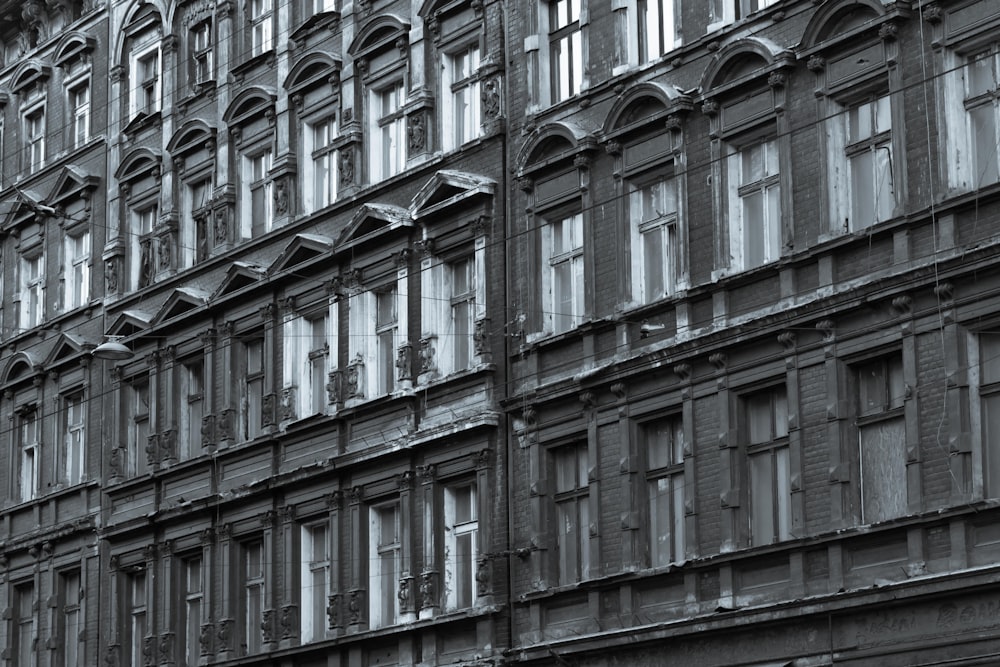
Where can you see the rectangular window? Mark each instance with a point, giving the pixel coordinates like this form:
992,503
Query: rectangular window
869,161
566,49
135,591
881,439
190,406
461,549
765,415
664,442
191,606
253,595
32,284
572,509
76,269
71,618
323,190
197,237
316,360
461,91
259,202
138,427
388,135
657,33
261,18
989,410
982,103
147,82
201,52
565,305
34,139
73,460
251,388
386,330
24,638
463,310
28,427
142,246
655,246
79,108
754,205
385,563
315,580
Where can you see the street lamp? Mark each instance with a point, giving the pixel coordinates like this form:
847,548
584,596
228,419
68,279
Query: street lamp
113,349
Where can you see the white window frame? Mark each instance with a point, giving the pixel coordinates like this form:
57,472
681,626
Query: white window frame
29,425
460,92
724,12
78,104
73,459
33,121
320,182
25,620
769,510
202,51
741,190
664,442
383,607
72,621
137,605
565,44
191,406
196,236
139,410
985,99
460,532
387,130
862,133
571,499
193,581
261,20
144,219
146,83
257,166
76,269
31,283
661,220
251,387
308,348
314,580
254,571
559,253
657,28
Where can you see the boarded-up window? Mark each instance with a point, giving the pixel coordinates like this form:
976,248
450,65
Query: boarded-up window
881,439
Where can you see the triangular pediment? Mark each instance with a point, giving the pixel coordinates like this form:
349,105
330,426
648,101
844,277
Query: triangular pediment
303,248
372,221
68,347
183,300
25,205
71,182
448,188
130,323
238,276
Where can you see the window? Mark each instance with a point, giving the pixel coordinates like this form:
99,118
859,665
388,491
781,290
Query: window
664,441
194,596
461,549
142,246
563,247
306,356
72,458
657,33
989,411
881,439
463,310
79,109
572,513
385,563
765,415
34,138
71,618
386,330
28,444
655,245
32,284
315,580
137,407
190,406
727,11
868,151
754,205
253,595
387,133
565,49
258,206
261,18
321,184
135,590
982,103
76,269
460,90
373,341
197,237
146,82
201,52
24,637
313,7
251,389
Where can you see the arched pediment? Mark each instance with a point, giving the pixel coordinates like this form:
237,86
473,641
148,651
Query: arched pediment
73,45
739,60
314,68
142,18
556,139
841,17
20,367
249,102
190,135
378,32
138,163
641,101
29,73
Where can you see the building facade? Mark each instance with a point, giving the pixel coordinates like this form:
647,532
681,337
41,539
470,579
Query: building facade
551,332
750,378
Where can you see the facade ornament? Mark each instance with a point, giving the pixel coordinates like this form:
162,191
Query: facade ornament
347,166
335,499
426,473
288,621
267,518
354,606
525,183
618,389
333,619
673,123
581,161
483,458
267,629
902,304
356,494
588,399
333,382
111,275
816,64
483,579
777,79
427,590
718,359
205,639
149,651
825,327
415,132
405,480
490,97
111,654
683,371
932,13
888,31
281,197
225,634
787,340
403,363
403,46
166,647
480,337
427,355
354,388
710,108
404,593
944,291
613,148
426,247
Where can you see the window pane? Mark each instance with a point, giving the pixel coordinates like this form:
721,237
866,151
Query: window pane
991,445
761,499
660,521
754,249
983,120
884,189
783,492
862,193
981,73
883,470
